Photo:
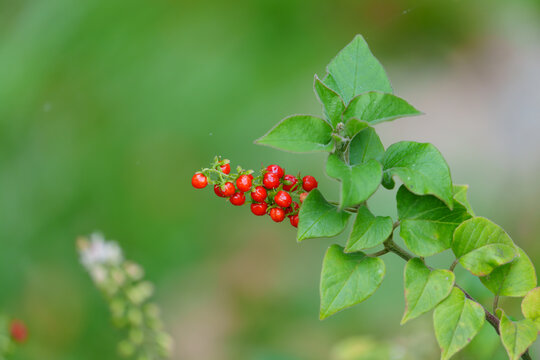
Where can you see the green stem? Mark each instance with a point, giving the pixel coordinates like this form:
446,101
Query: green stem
495,303
379,253
454,264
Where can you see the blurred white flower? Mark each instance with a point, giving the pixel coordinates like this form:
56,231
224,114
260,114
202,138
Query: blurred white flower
97,251
128,294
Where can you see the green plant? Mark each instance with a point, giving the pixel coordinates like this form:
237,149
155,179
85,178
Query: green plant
434,214
128,295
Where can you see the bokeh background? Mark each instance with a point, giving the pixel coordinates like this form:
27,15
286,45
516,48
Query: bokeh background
108,107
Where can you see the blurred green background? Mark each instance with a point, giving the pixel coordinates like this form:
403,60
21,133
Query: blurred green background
108,107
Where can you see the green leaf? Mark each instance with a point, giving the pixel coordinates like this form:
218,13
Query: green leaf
530,306
354,126
364,146
333,106
376,107
368,230
457,320
355,70
358,182
516,278
516,336
424,289
421,167
481,246
348,279
299,133
318,218
426,223
460,196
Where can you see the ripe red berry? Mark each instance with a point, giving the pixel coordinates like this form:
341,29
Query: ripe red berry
238,198
276,169
259,194
289,181
259,209
218,191
199,181
225,190
18,331
309,183
271,180
294,220
294,207
283,199
277,214
226,168
243,183
303,196
228,189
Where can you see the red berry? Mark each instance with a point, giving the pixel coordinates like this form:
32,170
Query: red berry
218,191
294,220
271,180
224,190
259,209
199,181
243,183
259,194
238,199
228,189
226,168
18,331
276,169
294,207
283,199
309,183
277,214
288,183
303,196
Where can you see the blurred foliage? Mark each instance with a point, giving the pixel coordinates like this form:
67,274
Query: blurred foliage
107,108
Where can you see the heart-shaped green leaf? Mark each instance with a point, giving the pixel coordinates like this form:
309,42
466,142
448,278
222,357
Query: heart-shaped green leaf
332,103
481,246
318,218
368,230
365,145
460,196
358,182
457,320
530,306
427,224
516,278
424,288
376,107
348,279
421,167
299,133
516,336
355,70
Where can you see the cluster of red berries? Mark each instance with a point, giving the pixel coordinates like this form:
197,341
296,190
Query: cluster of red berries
272,192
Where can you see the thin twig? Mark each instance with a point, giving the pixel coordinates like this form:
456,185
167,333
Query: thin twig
379,253
495,303
453,266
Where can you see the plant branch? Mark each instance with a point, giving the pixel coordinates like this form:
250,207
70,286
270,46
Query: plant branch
454,264
495,303
379,253
391,246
